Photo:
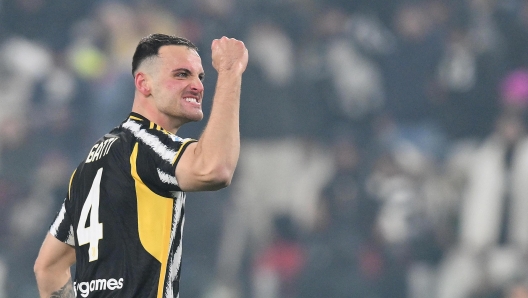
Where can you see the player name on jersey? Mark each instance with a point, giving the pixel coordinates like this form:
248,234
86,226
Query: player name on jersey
100,149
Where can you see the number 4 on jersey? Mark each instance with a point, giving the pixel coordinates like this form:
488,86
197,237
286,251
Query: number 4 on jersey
93,233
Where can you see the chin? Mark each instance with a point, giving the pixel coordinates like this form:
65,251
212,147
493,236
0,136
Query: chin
196,118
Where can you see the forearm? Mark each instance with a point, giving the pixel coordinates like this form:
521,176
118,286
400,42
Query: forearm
52,268
219,145
52,284
211,163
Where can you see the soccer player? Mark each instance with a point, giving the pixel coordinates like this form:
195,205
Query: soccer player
122,219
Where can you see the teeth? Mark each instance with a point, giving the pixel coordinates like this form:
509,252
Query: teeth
190,99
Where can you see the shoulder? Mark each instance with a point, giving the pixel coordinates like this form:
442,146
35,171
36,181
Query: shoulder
152,135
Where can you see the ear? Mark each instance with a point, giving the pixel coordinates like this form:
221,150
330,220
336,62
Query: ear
141,80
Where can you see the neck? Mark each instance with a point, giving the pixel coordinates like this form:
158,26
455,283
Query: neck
150,112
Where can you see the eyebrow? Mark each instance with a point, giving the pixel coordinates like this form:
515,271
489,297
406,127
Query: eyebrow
202,74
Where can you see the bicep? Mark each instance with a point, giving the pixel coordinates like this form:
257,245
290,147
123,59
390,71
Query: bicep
193,174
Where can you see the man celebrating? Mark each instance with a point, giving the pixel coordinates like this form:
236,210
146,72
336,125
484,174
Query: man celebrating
122,219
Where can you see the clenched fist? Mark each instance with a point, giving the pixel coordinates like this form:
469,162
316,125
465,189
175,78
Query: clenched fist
229,55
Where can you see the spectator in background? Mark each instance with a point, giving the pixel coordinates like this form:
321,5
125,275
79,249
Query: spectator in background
43,22
112,88
405,186
38,132
23,65
512,21
409,77
276,269
347,90
492,239
345,257
473,61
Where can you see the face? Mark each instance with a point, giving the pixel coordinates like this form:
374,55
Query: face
176,83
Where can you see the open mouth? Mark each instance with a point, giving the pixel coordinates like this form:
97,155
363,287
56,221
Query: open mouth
192,100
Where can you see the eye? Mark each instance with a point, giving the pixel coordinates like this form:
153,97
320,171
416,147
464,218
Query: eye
182,74
201,77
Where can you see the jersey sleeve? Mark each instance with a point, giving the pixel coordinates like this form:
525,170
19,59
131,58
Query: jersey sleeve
156,163
62,227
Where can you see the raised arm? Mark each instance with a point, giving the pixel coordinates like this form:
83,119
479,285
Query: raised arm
52,268
209,164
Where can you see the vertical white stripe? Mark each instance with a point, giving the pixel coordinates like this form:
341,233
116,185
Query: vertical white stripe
174,263
70,240
54,228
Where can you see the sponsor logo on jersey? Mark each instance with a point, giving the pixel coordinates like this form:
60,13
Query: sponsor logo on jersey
86,287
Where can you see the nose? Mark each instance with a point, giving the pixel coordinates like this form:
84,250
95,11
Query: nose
197,85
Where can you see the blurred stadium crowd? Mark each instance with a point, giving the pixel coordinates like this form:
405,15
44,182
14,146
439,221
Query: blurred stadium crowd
384,143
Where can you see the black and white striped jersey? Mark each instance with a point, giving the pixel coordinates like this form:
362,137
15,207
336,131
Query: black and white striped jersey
124,214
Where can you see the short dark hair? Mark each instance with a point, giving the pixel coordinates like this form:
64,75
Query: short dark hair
149,46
